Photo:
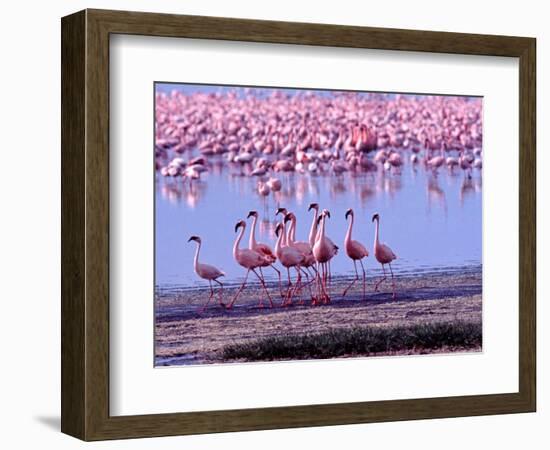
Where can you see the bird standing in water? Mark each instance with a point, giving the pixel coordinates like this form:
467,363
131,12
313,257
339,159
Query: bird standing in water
207,272
383,254
356,251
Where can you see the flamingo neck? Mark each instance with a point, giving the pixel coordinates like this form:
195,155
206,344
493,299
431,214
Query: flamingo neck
322,230
292,231
313,230
252,240
196,261
376,241
350,228
238,241
279,242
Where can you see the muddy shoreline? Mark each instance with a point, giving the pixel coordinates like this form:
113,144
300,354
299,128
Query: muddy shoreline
186,335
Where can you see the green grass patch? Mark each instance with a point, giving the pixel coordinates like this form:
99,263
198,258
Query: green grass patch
360,341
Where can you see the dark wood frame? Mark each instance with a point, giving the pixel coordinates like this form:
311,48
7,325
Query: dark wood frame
85,224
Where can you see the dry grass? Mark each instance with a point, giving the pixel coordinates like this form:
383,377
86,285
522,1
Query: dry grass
366,341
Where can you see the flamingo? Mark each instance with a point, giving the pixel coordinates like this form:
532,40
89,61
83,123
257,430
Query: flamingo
356,251
262,249
303,247
207,272
289,257
323,253
250,260
314,234
383,254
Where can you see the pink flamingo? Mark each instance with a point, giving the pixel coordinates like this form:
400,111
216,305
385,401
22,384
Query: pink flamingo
383,254
356,251
323,253
250,260
263,249
289,257
303,247
314,234
207,272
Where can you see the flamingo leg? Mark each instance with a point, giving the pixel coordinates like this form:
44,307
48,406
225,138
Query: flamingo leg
364,280
394,296
221,292
353,281
314,279
288,297
288,274
298,285
324,277
317,284
280,279
306,274
328,274
310,279
382,279
239,291
265,288
210,296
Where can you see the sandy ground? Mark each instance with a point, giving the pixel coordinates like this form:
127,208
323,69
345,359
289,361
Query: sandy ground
185,335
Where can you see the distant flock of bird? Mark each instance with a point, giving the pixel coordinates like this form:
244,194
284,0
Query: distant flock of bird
260,135
309,259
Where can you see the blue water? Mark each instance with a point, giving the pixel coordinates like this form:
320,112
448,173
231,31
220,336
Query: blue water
430,222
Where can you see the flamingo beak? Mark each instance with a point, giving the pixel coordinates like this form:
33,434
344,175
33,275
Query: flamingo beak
250,214
328,214
312,205
375,217
348,212
280,211
237,226
277,230
287,218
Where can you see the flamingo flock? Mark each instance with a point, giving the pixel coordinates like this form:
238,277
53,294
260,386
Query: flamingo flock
267,135
308,260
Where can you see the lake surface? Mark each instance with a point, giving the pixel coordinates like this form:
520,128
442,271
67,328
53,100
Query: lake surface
431,222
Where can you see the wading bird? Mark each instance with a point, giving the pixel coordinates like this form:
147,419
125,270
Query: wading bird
383,254
263,249
323,252
207,272
356,251
314,234
289,257
250,260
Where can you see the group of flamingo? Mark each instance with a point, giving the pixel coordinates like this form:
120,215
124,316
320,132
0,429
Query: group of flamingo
261,136
309,259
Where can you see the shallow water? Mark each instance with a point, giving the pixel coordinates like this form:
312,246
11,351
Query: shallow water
430,222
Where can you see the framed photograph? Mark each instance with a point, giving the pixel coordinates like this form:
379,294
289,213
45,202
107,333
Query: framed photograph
273,225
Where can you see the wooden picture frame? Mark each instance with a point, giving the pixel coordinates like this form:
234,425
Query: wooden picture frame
85,224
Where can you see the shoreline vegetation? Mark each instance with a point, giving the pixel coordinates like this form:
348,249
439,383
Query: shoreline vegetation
367,341
435,312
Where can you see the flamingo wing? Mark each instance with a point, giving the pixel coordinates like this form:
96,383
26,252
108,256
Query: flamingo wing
359,249
209,272
332,245
264,250
302,247
389,252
